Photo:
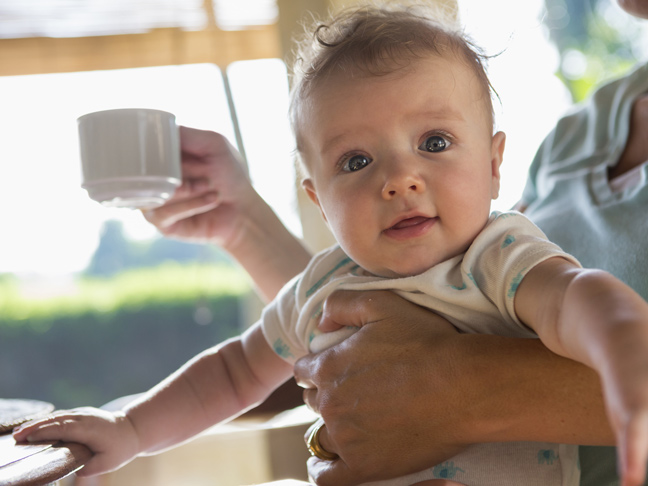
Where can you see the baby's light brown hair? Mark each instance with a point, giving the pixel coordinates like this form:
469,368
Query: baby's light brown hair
376,40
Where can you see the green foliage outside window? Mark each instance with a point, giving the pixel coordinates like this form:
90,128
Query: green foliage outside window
108,338
595,39
169,283
138,312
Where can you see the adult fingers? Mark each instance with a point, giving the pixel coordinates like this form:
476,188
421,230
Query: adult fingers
310,399
206,145
354,308
311,370
193,139
330,473
164,217
201,143
323,437
327,472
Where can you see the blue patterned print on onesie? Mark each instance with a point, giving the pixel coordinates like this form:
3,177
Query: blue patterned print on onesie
515,283
447,470
318,311
321,281
510,239
282,349
547,456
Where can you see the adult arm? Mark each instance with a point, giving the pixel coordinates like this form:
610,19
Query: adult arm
402,394
217,204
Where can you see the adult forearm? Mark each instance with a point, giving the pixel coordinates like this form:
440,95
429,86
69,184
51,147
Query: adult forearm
519,390
267,250
450,392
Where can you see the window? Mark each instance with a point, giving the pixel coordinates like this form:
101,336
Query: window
50,225
125,332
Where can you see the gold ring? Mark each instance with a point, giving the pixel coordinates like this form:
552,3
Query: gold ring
315,448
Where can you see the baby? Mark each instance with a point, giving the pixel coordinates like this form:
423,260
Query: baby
394,126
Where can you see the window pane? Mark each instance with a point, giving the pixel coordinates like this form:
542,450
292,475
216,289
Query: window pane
260,93
49,223
121,328
75,18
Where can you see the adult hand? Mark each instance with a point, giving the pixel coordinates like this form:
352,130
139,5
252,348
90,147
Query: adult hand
369,388
215,191
407,391
217,204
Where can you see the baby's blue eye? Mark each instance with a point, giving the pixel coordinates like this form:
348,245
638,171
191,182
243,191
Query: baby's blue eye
355,163
435,143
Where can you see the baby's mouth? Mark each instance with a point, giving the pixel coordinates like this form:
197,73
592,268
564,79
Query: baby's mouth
406,223
410,227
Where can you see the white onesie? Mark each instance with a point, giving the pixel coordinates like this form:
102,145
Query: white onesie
475,291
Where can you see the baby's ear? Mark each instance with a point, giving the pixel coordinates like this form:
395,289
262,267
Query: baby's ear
497,156
309,187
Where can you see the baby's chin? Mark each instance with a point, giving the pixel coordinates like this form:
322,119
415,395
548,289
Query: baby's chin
395,265
398,271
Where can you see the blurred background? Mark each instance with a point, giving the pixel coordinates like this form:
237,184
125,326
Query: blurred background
94,304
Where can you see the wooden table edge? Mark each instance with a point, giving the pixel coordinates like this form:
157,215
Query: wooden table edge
46,466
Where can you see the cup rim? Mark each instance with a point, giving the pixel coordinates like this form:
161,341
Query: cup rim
100,181
125,110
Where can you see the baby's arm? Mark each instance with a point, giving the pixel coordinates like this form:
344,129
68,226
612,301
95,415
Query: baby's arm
215,385
592,317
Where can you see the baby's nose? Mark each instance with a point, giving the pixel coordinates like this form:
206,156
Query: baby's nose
401,182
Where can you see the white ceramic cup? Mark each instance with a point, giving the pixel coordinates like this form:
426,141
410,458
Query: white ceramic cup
130,157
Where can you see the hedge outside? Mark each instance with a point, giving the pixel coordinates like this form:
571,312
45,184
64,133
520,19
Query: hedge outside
115,337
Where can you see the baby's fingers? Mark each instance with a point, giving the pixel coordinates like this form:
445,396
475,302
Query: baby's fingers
51,428
33,428
633,451
77,425
110,436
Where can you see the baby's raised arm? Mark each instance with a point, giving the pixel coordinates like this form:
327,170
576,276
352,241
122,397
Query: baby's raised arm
592,317
218,384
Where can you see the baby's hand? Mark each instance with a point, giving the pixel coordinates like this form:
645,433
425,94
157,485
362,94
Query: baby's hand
625,386
633,449
110,436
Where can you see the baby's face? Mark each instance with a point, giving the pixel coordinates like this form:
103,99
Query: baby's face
403,166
